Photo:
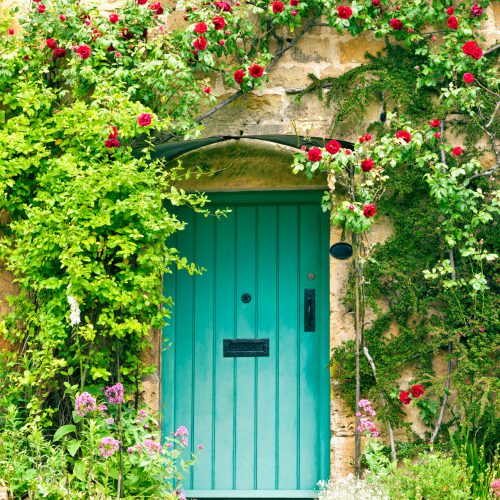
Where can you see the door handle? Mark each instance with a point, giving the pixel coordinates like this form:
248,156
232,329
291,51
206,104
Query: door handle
309,310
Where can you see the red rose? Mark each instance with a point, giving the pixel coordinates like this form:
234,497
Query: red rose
200,28
51,43
396,24
437,135
367,165
157,7
144,120
450,11
59,52
278,7
62,17
476,10
238,75
256,71
404,135
114,133
113,18
127,34
344,12
314,154
468,77
452,23
224,6
368,137
41,8
207,90
404,397
294,12
417,390
333,147
471,49
200,43
435,123
112,143
218,22
294,3
361,140
83,51
369,210
347,151
222,43
457,151
11,31
142,2
376,3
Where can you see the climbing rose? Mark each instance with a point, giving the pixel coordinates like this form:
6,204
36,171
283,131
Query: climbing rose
256,71
369,210
404,397
435,123
376,3
51,43
108,446
62,17
144,119
59,52
294,12
239,74
294,3
437,135
476,10
11,31
222,43
200,28
361,139
41,8
368,137
157,8
224,6
452,23
396,24
471,49
142,2
417,390
83,51
367,165
450,11
333,147
113,18
314,154
457,151
404,135
112,143
207,90
84,403
278,7
344,12
200,43
115,394
218,22
468,77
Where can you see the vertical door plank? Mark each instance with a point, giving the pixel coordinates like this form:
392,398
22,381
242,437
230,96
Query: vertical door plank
225,321
308,352
288,304
266,325
203,367
245,328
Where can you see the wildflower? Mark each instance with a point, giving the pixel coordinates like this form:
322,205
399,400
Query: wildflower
108,446
495,486
141,415
102,408
200,447
184,441
115,394
181,431
153,446
109,421
84,403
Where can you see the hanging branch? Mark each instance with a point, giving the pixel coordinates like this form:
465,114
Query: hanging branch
357,326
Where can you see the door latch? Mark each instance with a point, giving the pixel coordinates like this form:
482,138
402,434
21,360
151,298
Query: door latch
309,310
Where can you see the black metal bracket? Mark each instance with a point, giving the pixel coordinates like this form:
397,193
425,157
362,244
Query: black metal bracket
309,310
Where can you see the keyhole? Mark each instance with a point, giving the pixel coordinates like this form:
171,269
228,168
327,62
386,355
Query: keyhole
246,298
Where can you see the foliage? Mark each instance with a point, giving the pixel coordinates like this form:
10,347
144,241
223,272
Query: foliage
77,463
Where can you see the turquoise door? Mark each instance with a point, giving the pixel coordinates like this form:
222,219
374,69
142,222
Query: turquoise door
247,372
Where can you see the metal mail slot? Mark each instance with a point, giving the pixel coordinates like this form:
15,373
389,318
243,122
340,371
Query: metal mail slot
246,348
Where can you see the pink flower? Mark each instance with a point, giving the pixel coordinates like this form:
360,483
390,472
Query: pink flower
144,120
102,408
84,403
109,421
181,431
153,446
476,10
83,51
108,446
200,447
115,393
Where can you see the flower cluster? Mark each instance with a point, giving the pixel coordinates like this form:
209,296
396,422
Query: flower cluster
115,394
84,403
495,487
415,392
365,415
108,446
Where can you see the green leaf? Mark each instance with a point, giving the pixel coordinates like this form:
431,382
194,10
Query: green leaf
62,431
73,446
79,471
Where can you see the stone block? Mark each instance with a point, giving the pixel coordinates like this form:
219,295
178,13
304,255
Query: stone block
353,50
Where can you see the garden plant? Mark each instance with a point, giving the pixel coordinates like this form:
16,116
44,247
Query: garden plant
85,98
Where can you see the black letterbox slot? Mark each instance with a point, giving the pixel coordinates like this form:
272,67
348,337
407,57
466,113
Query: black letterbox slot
246,348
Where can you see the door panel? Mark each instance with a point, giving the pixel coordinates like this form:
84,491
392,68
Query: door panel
263,421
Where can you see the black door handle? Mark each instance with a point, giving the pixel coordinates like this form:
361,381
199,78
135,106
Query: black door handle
309,310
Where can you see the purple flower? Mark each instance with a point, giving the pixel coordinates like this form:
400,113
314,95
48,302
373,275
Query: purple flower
108,446
115,394
184,441
170,445
181,431
476,10
84,403
102,408
109,421
141,415
153,446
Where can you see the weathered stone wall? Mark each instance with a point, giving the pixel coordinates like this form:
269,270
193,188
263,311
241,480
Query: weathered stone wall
273,110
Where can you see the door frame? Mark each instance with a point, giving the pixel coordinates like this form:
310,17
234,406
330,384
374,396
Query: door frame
323,304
